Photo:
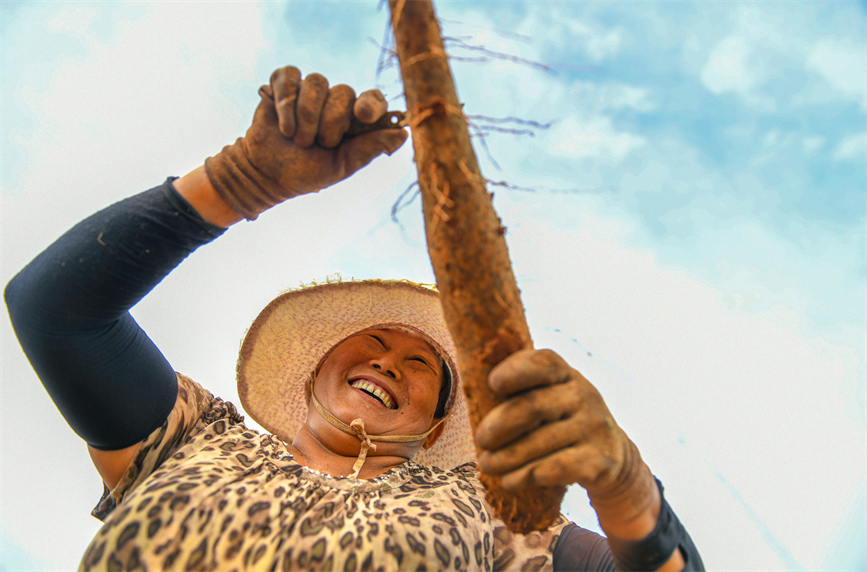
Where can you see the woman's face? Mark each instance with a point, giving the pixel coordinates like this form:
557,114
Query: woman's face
389,378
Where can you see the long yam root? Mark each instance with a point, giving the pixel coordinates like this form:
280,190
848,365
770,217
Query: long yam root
466,242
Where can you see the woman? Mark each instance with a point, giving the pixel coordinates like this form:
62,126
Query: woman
370,464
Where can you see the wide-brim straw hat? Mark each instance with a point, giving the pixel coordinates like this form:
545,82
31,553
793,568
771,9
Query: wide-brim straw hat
299,328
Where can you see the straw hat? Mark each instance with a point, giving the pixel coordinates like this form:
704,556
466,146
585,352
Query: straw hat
297,329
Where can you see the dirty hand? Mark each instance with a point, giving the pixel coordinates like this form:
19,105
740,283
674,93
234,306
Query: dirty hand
554,429
294,145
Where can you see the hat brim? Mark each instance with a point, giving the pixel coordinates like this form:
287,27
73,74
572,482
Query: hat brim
296,330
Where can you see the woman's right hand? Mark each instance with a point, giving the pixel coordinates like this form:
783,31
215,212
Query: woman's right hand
295,144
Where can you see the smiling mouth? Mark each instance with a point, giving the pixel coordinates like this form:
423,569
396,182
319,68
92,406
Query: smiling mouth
374,392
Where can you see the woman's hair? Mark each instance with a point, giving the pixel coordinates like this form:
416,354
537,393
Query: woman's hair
445,390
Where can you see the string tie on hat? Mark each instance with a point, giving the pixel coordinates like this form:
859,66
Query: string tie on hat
367,441
357,426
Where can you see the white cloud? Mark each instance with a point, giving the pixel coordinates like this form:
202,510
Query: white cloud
619,96
561,26
591,137
772,56
777,142
774,138
812,144
843,66
135,93
598,44
613,96
74,21
851,148
728,67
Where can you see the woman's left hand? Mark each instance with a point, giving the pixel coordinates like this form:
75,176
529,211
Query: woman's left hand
553,429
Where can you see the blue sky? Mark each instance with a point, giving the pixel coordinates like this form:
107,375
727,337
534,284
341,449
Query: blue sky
694,241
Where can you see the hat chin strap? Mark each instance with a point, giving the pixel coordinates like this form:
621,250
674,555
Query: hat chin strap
367,441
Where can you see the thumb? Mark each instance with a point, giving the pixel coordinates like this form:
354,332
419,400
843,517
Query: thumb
359,151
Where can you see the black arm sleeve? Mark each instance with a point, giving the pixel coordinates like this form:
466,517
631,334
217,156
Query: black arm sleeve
70,310
579,549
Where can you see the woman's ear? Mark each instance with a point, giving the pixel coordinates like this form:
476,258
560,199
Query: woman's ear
434,436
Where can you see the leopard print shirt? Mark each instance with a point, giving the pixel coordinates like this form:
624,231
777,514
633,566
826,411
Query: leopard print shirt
206,493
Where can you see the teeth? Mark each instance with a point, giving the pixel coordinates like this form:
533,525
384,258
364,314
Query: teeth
373,390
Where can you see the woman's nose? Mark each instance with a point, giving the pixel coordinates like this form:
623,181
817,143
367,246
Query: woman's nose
382,364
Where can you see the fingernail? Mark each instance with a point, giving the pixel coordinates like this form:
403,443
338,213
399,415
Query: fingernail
365,112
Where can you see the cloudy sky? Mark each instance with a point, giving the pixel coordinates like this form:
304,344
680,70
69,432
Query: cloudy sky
689,231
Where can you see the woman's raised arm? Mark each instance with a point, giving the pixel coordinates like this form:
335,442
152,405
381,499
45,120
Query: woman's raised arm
70,306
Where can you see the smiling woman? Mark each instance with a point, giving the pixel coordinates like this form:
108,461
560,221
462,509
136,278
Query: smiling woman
370,462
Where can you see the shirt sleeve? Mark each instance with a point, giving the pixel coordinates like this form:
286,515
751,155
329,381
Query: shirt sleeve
580,549
70,311
195,408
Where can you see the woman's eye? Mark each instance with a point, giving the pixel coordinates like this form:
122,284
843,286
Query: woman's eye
423,362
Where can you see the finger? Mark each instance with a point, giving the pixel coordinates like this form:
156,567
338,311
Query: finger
523,413
336,116
311,98
359,151
526,369
266,112
543,441
370,106
582,465
285,83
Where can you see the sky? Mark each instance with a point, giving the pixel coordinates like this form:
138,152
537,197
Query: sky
685,217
